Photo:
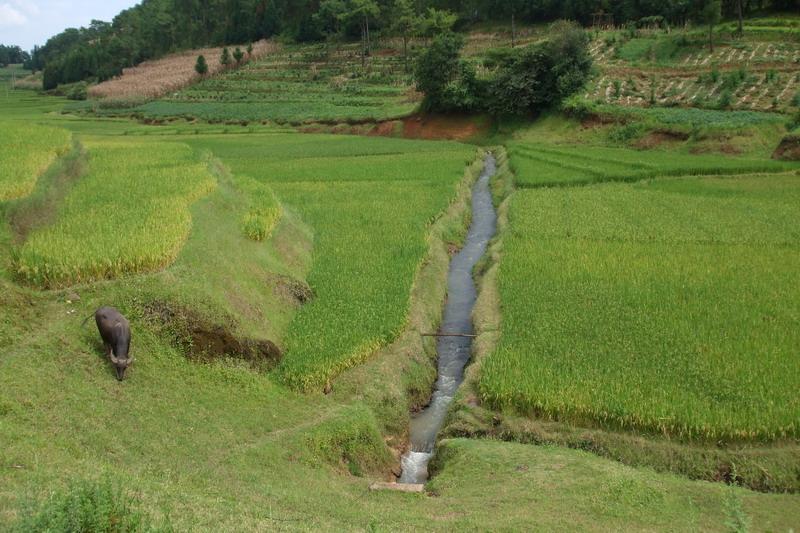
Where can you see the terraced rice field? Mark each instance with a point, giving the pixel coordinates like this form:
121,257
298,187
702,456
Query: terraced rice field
668,306
549,165
369,202
299,84
129,214
28,149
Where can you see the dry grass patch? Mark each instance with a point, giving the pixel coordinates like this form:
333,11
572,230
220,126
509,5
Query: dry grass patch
152,79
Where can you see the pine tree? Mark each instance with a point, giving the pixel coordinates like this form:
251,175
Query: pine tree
238,55
226,57
201,67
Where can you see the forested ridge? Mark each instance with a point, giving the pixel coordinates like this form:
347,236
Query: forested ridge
156,27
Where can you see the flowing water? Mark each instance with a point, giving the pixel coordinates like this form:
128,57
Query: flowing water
453,352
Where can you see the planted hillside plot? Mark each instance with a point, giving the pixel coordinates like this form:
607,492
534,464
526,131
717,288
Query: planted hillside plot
158,77
129,214
669,306
299,84
27,151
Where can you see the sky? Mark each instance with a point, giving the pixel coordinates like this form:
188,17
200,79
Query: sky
28,22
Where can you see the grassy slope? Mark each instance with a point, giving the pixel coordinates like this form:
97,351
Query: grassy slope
219,447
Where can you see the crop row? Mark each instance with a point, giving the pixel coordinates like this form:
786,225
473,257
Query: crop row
27,150
667,306
128,214
538,165
769,91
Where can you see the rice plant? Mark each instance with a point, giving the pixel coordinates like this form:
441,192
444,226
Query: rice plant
129,214
667,306
369,202
27,151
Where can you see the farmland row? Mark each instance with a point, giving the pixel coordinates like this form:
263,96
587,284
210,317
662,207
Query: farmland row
667,306
129,214
539,165
28,149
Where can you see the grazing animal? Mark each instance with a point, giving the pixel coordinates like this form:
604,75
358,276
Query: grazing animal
116,334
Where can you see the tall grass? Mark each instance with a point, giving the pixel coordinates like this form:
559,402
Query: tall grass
27,150
86,506
129,214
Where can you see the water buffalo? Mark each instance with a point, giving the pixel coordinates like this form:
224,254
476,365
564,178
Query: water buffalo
116,334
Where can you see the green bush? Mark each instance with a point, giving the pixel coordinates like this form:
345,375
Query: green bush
77,91
86,506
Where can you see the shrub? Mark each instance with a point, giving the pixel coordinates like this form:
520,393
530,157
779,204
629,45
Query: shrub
76,91
201,67
85,506
541,75
725,99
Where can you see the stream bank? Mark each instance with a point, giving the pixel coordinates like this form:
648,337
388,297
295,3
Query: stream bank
453,349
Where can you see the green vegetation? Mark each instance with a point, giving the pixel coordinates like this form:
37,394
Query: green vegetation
315,83
265,210
28,150
541,165
521,81
85,506
340,186
663,306
129,214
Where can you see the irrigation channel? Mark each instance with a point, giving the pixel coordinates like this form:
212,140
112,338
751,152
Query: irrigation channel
453,351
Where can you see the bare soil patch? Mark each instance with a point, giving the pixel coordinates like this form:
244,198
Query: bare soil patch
202,340
654,139
448,127
788,149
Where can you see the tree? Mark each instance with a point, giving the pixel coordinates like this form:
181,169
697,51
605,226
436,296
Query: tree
437,67
225,59
709,12
363,10
542,74
250,51
740,16
405,20
201,67
436,22
238,55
